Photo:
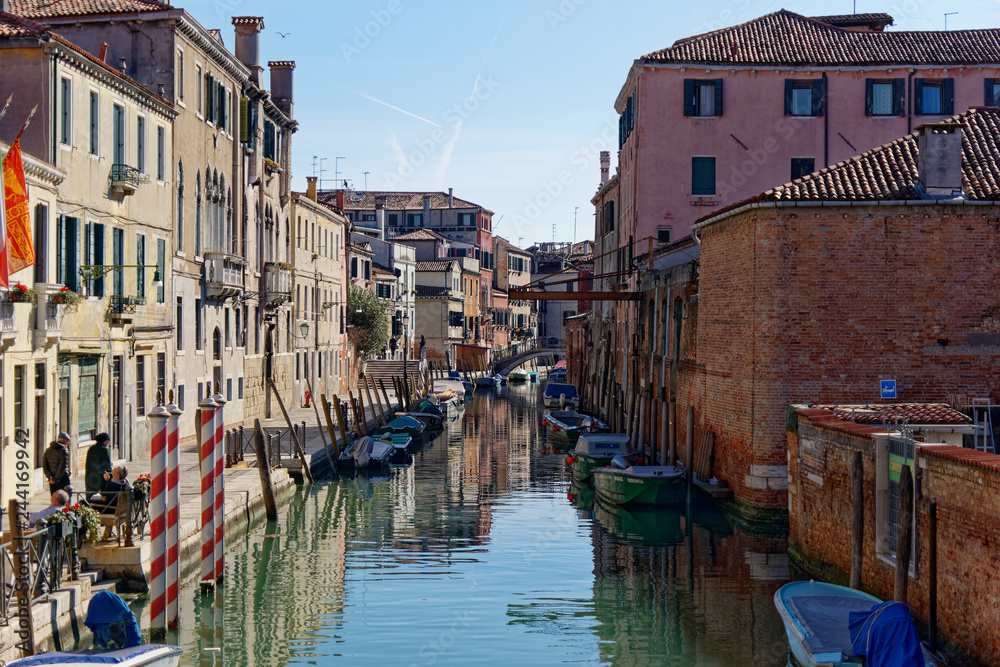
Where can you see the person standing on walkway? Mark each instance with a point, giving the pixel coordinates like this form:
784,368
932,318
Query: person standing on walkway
98,463
55,464
392,348
423,348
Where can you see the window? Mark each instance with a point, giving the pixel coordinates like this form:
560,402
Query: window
179,324
992,97
933,97
238,328
270,141
802,166
626,122
703,176
140,385
66,112
161,376
229,389
19,372
393,219
368,270
228,341
199,95
703,98
180,76
891,454
608,217
354,267
94,122
68,262
118,258
197,325
368,217
467,219
663,235
161,265
454,319
180,396
41,243
93,254
118,132
197,214
140,144
161,153
804,97
140,271
414,219
885,98
179,229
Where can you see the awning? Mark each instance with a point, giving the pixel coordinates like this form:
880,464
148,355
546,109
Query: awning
85,350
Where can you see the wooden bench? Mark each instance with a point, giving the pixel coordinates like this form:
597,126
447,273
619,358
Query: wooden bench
130,516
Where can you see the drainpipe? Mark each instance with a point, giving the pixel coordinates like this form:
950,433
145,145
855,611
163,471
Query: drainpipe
826,120
909,102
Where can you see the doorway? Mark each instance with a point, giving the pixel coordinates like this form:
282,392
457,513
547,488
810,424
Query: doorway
117,400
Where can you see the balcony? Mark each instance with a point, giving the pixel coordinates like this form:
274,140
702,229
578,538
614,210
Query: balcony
121,309
124,179
48,322
277,283
8,325
224,275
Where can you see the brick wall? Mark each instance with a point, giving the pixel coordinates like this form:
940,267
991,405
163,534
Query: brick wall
811,305
966,486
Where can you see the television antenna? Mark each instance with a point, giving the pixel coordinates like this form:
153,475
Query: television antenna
336,168
366,180
947,14
574,223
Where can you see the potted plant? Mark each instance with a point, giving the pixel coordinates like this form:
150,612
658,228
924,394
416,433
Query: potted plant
67,297
142,487
82,516
21,293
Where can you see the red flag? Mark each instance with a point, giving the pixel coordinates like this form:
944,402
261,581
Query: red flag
18,252
4,274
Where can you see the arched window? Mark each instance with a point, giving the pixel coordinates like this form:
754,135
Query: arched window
230,229
288,241
180,206
217,344
197,214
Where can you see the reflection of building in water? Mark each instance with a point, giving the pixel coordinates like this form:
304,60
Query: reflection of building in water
695,590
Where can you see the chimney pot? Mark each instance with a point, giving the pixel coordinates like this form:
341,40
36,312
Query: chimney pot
103,54
605,167
340,199
939,159
282,76
451,199
248,44
311,187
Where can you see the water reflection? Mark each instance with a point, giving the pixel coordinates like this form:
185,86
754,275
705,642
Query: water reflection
475,554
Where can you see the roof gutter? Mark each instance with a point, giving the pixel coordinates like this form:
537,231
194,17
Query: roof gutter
753,206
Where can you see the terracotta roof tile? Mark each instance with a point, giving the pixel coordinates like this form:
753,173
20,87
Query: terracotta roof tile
420,235
964,455
18,26
394,201
441,265
787,38
855,20
914,413
40,9
428,290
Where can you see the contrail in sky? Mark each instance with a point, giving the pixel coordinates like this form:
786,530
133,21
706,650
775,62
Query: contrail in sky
386,104
486,57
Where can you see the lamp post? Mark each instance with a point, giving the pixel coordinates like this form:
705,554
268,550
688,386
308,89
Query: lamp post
406,344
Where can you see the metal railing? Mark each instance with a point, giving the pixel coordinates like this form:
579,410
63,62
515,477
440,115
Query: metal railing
124,305
51,558
239,441
123,173
7,323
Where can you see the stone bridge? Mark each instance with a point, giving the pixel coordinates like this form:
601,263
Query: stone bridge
506,365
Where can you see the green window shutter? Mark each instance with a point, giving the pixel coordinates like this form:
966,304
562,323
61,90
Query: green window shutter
244,119
988,93
948,103
161,259
72,274
918,96
819,97
869,96
899,97
61,241
703,176
718,97
97,238
789,86
689,103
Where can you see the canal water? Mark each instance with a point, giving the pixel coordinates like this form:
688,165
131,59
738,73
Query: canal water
484,552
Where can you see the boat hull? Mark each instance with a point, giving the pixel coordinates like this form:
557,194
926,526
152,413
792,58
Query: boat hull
584,464
621,487
799,640
147,655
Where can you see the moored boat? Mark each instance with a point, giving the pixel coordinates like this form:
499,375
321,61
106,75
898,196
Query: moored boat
517,375
558,395
834,626
570,423
405,424
558,375
532,376
430,420
365,452
403,446
622,483
144,655
594,450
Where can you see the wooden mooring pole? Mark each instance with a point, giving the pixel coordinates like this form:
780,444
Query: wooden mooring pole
264,470
689,444
385,394
904,534
291,431
932,530
319,425
857,517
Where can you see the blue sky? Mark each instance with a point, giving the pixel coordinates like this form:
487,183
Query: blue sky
507,102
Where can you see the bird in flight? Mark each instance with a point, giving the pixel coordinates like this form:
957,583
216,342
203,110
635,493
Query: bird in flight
283,34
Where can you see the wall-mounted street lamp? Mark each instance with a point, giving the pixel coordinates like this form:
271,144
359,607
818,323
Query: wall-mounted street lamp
91,272
329,304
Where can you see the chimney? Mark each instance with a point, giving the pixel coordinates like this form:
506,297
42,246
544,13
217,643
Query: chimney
248,44
281,84
340,200
103,55
451,199
605,166
939,159
311,187
427,211
380,216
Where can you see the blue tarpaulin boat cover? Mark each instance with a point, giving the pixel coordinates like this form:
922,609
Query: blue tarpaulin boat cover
886,637
116,657
556,390
112,622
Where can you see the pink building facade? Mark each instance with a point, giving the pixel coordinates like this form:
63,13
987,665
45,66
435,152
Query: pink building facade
716,118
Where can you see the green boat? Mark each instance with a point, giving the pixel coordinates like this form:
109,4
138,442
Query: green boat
570,424
595,450
403,445
407,425
621,483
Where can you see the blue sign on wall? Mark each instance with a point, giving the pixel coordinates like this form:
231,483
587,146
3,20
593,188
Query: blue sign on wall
888,388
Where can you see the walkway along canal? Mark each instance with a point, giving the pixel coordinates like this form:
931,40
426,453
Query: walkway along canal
476,553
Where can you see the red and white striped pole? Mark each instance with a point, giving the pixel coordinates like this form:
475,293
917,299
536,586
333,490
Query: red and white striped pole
206,441
173,513
158,417
220,485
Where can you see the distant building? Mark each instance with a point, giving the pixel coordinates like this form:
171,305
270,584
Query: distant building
556,267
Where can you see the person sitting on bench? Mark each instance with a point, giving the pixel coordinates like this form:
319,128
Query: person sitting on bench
115,482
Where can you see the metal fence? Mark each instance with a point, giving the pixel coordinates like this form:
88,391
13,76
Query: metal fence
52,560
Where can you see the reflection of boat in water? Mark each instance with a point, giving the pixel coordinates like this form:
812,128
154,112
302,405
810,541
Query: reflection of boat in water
581,495
641,525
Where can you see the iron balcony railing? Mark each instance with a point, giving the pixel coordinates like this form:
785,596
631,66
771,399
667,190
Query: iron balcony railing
123,173
124,305
7,324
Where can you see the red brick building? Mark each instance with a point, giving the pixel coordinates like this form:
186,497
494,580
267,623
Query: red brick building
886,266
